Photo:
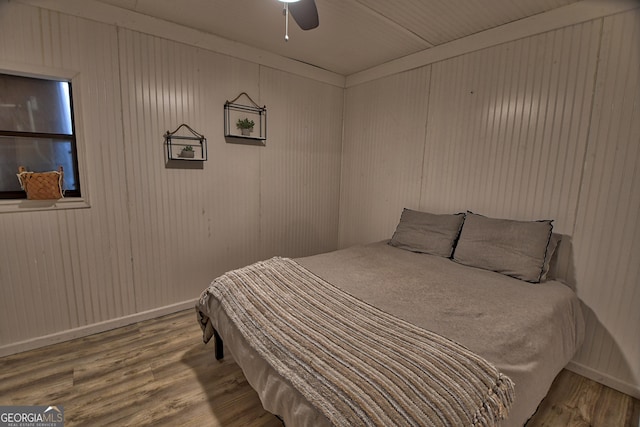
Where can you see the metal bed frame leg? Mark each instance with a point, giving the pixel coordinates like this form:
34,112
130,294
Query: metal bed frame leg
219,345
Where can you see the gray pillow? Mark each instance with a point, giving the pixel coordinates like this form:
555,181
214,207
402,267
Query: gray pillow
513,248
427,233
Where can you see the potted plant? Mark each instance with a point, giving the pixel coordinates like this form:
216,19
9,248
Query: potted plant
245,125
187,152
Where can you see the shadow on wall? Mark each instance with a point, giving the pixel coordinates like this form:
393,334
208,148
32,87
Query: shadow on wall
183,164
562,268
600,340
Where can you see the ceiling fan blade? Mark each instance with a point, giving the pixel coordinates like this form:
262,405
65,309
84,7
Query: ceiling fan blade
305,13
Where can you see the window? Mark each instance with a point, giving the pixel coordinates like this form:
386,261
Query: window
36,131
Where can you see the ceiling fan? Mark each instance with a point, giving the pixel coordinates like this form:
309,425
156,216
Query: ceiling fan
304,12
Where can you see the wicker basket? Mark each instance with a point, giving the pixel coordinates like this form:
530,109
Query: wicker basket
41,185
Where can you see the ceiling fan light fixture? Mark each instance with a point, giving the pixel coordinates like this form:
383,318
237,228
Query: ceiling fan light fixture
304,12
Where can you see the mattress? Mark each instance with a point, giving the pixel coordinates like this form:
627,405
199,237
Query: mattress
529,332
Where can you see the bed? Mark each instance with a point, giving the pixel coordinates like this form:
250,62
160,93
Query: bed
440,299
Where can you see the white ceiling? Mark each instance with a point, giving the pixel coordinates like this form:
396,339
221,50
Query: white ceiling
353,35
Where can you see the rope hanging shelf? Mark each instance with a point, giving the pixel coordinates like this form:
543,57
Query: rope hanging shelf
245,123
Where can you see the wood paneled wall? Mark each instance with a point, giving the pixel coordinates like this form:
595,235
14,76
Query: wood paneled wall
383,153
541,127
607,231
154,237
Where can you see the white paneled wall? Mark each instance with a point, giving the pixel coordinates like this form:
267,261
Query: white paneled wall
154,237
607,234
541,127
300,173
507,127
184,220
61,270
382,154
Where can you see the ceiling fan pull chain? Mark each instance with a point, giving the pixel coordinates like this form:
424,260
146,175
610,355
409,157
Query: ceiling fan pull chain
285,11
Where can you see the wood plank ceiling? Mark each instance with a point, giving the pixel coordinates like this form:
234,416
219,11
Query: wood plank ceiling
353,35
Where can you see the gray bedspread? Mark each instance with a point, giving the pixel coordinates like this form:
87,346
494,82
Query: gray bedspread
529,332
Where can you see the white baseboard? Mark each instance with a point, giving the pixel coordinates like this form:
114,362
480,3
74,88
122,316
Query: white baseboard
615,383
95,328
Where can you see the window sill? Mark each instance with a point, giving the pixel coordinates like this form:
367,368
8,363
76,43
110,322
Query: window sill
23,205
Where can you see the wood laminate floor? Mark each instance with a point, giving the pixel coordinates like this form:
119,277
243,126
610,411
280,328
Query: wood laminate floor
158,372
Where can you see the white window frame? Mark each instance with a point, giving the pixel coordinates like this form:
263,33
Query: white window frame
24,205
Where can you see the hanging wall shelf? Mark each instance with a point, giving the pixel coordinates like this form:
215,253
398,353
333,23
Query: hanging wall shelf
190,147
245,124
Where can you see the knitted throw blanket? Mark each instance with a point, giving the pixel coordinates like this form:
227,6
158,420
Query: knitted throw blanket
356,364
